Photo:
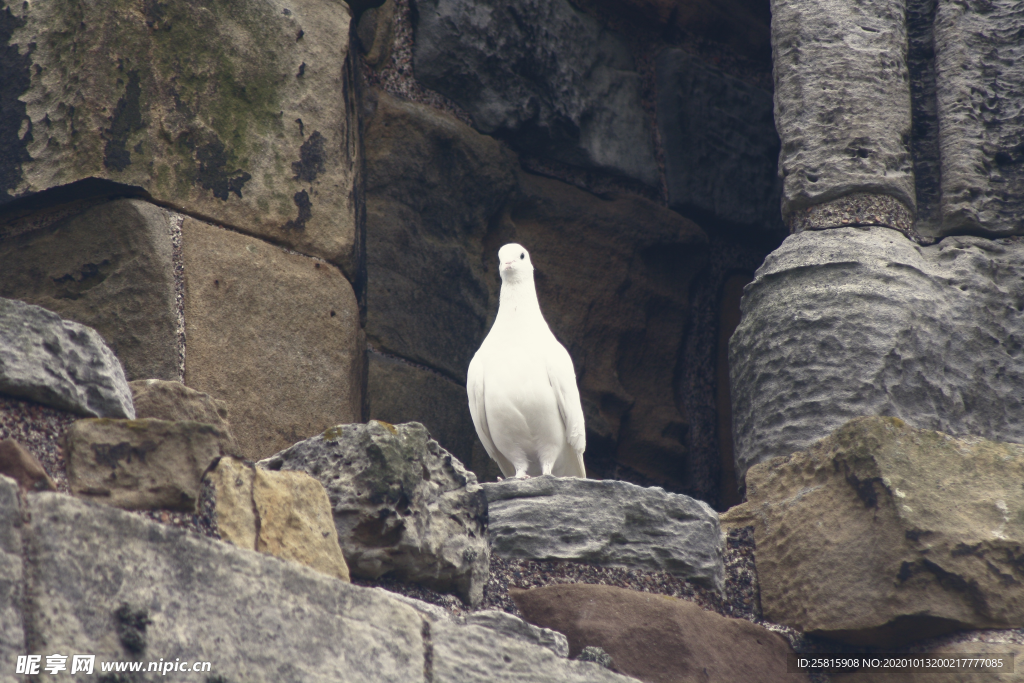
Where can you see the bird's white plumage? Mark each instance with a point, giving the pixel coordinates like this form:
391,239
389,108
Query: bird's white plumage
522,386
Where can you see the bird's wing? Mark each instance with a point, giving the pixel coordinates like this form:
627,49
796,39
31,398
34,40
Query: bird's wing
475,390
563,380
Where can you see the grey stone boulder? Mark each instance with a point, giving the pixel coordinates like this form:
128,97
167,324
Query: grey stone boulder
979,80
843,323
403,506
542,75
842,101
108,267
721,148
59,363
608,523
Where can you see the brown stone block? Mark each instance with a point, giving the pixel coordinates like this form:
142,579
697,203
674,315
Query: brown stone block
657,638
274,335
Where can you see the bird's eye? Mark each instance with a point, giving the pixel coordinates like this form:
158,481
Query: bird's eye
523,255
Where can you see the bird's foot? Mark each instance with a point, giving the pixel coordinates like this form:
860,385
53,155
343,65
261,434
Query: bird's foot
522,475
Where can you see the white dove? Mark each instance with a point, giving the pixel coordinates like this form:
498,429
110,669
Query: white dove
521,384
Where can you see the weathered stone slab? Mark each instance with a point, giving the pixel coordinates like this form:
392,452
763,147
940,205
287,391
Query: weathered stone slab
979,78
274,335
721,148
115,585
542,75
108,267
656,637
59,363
12,632
849,322
842,101
403,506
882,534
296,522
608,523
243,112
141,464
434,190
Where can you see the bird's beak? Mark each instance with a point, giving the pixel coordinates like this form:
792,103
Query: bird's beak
508,265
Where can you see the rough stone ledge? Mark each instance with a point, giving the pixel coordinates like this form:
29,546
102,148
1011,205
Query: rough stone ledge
607,522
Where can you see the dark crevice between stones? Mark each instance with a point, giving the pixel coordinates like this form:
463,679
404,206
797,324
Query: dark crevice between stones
428,654
87,188
127,119
16,81
924,141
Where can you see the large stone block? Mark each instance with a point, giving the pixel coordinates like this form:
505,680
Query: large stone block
400,392
434,188
613,278
883,534
141,464
274,335
59,363
242,112
721,148
12,619
842,103
979,79
542,75
402,505
658,638
108,267
110,583
849,322
608,523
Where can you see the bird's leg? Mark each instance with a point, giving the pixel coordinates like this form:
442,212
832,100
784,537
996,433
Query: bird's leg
521,474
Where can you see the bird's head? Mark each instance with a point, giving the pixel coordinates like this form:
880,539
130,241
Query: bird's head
514,263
